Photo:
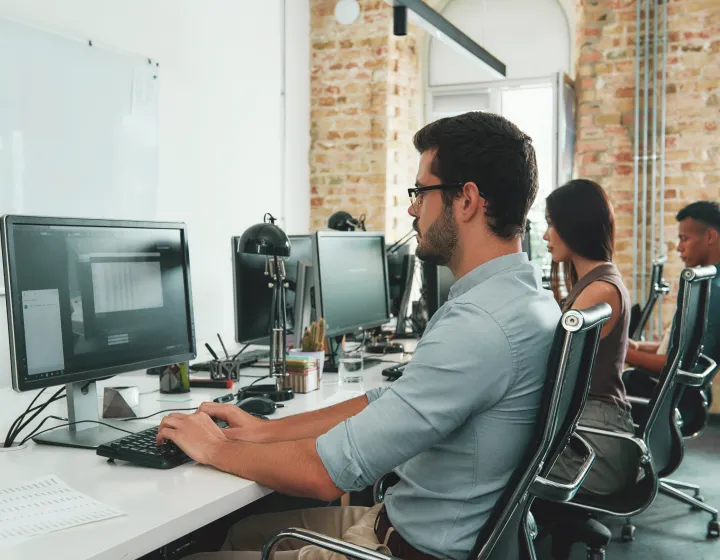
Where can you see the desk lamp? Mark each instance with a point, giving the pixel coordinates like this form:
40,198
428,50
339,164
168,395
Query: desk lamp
269,240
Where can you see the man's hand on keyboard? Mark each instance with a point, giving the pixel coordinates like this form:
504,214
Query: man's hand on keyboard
241,425
196,434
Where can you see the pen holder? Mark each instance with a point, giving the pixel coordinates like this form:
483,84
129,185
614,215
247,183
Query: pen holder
224,369
174,379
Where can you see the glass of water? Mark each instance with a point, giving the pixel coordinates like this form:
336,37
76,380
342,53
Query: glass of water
350,371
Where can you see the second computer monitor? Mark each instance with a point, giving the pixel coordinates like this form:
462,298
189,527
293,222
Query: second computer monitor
351,289
253,297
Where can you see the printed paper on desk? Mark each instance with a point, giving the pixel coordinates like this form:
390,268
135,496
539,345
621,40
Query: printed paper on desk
43,506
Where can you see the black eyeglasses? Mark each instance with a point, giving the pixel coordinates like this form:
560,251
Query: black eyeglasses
416,192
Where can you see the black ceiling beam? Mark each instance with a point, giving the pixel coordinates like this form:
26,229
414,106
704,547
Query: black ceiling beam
444,26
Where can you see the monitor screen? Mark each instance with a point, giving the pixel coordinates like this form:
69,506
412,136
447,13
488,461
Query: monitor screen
351,281
92,298
253,297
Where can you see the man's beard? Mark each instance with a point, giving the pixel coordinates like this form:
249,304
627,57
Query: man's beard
438,244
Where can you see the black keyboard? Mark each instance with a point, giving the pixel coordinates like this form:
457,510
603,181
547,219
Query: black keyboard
244,359
141,449
394,372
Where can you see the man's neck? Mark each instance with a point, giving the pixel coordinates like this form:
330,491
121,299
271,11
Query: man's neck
469,257
713,258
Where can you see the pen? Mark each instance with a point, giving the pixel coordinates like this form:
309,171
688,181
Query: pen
224,398
212,352
223,346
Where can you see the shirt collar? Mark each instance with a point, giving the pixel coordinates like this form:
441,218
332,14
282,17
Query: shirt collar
485,271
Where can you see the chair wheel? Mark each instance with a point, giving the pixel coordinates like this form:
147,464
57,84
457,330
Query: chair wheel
713,529
699,498
628,533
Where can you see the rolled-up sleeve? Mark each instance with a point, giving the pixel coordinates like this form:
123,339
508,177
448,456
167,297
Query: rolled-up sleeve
461,367
374,394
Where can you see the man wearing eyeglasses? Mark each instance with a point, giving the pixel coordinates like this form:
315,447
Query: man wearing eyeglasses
455,426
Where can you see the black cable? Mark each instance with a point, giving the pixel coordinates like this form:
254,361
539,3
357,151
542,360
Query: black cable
160,412
16,432
31,434
19,418
241,351
36,408
84,422
40,408
244,389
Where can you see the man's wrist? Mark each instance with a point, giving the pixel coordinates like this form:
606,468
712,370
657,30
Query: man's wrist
220,452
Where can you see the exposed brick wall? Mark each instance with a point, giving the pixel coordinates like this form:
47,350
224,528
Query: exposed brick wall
404,117
364,87
605,89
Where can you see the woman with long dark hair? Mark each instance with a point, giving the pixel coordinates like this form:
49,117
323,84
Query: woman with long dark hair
581,238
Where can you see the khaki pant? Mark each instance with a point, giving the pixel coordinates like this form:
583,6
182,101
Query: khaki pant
616,460
247,537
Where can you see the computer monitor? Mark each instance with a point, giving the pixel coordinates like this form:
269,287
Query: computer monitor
401,273
437,281
253,297
88,299
351,287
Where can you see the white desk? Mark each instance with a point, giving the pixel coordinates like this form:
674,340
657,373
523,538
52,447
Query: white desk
161,505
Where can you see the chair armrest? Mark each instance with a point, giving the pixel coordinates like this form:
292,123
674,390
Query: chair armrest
560,492
620,435
640,401
697,379
323,541
382,485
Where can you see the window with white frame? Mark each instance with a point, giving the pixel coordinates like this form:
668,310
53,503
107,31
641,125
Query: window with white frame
542,109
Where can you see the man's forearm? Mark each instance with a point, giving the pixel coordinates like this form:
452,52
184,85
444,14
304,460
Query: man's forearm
311,424
651,362
292,467
649,347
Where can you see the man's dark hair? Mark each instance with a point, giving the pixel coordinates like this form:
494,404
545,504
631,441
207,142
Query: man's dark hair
491,152
703,211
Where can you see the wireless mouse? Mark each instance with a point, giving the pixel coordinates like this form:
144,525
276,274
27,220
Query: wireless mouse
257,405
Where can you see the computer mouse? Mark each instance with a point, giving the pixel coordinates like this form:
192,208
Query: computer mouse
257,405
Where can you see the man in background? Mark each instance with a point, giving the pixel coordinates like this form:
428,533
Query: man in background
699,245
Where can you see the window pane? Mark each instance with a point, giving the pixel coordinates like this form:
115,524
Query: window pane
531,109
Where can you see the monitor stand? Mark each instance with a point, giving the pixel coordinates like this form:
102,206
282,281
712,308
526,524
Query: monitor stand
82,404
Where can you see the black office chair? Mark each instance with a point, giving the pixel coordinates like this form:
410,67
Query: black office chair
639,317
693,370
657,435
694,406
507,534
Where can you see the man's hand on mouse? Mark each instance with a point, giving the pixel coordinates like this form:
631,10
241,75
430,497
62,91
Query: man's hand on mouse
242,426
196,434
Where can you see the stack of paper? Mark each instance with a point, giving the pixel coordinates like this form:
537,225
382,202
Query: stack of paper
43,506
304,373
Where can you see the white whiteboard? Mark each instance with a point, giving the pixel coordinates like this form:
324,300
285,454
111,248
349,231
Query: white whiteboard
78,127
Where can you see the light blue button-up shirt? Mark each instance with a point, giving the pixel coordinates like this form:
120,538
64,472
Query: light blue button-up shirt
454,427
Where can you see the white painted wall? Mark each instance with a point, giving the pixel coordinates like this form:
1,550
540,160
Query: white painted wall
220,120
532,37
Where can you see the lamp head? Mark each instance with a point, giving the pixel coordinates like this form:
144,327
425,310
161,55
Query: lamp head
342,221
264,239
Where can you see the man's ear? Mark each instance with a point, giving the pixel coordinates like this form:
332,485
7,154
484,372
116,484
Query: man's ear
472,202
713,236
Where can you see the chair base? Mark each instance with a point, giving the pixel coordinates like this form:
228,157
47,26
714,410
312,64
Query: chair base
670,488
593,534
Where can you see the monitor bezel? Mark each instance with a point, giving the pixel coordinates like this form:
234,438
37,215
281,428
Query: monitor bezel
318,298
21,381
